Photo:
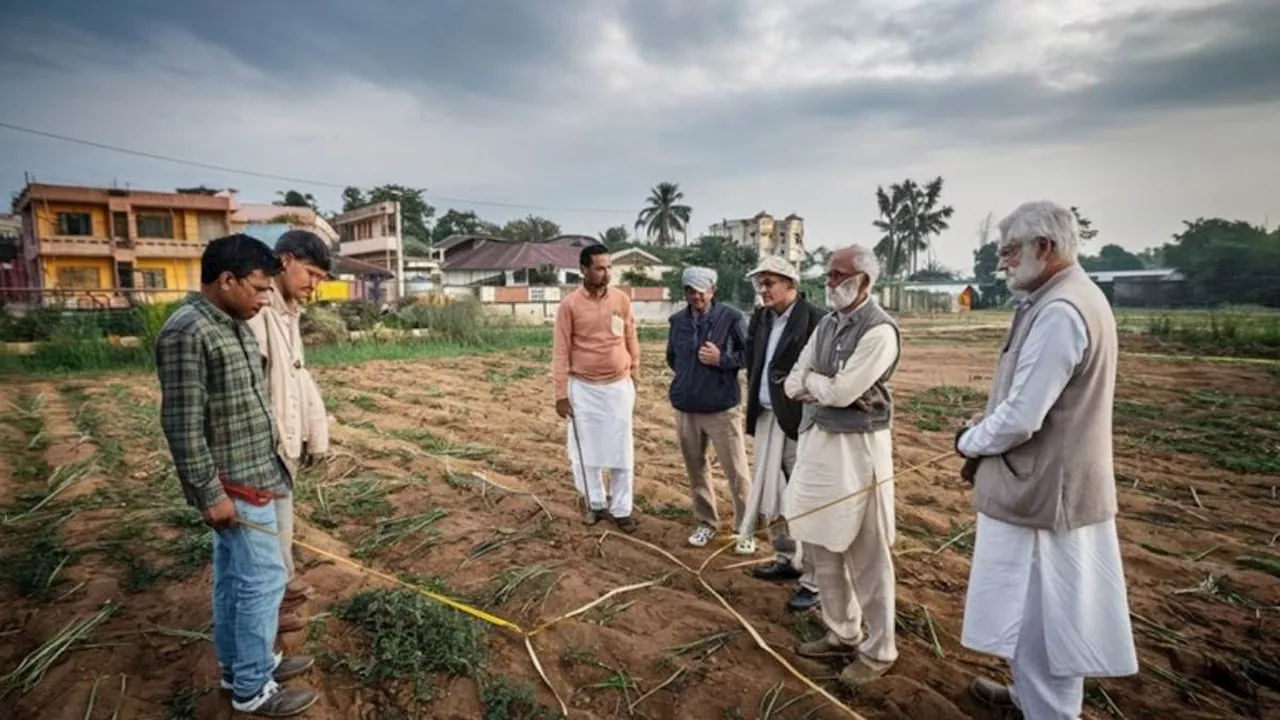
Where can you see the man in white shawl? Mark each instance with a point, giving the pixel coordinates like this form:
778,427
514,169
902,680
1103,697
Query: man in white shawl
1046,585
777,333
845,450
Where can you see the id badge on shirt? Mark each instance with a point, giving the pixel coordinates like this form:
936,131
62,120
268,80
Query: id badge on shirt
616,324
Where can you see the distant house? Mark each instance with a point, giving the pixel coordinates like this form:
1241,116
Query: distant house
355,280
248,215
1157,288
484,260
767,235
637,262
927,297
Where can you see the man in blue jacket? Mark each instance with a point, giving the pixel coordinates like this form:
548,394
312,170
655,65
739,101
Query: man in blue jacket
706,348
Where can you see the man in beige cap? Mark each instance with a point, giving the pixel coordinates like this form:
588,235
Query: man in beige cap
776,334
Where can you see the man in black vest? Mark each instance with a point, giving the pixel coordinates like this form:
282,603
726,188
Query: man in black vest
778,331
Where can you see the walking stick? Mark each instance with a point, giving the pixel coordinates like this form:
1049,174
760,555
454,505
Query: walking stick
582,463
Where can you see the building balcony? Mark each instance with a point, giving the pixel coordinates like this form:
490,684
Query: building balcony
74,246
165,248
368,246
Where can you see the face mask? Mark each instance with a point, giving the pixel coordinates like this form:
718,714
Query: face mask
843,295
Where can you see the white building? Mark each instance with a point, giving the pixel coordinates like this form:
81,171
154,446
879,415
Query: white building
372,234
637,262
767,235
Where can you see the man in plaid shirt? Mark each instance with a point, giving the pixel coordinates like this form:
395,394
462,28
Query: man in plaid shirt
217,419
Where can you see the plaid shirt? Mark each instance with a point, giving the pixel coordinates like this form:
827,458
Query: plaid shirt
214,409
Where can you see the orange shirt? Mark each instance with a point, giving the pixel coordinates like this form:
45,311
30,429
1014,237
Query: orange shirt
595,339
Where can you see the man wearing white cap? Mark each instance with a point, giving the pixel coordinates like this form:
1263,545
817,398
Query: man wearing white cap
839,501
705,350
777,333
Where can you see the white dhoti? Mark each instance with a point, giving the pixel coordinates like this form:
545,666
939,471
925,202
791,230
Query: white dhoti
1055,606
851,541
599,436
775,459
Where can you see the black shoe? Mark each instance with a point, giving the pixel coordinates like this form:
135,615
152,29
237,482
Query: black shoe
804,599
777,572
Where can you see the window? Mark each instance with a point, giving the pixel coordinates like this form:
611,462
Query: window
153,279
74,224
119,225
155,226
78,278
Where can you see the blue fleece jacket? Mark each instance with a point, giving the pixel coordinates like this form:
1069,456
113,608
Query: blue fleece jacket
699,388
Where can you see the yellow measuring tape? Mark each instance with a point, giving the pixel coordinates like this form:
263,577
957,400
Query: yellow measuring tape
527,636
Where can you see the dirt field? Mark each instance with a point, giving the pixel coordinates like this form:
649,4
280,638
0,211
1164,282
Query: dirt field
1198,463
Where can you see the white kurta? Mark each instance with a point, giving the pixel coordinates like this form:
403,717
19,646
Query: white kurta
770,483
602,414
1084,609
833,465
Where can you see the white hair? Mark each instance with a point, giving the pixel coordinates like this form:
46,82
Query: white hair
866,262
1042,219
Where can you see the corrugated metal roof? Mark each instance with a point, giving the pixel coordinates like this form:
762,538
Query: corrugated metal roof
351,266
498,255
1156,274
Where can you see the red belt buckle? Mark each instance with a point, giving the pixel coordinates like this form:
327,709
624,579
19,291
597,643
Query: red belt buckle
253,496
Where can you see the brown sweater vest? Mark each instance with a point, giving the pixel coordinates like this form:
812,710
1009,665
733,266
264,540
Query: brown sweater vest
1062,478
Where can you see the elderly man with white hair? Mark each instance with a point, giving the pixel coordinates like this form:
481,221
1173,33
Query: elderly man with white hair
844,447
1046,585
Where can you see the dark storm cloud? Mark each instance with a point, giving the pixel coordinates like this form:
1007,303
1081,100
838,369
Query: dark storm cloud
492,46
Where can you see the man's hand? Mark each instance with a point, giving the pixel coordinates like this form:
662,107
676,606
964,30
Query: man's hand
709,354
221,516
563,408
970,470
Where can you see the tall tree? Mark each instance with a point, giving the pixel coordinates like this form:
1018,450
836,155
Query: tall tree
530,229
456,222
1087,231
615,237
664,214
1111,257
910,216
1228,262
293,198
992,289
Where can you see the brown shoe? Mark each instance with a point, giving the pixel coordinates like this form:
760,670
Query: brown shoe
591,517
827,646
290,622
863,670
625,524
276,701
287,668
991,693
297,590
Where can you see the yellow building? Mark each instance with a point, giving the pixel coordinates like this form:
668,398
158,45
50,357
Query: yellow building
107,247
768,235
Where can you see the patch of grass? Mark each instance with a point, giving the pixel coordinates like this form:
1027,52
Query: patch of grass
1269,565
433,444
182,703
945,407
1223,332
1240,433
807,627
500,379
505,699
509,582
666,510
395,530
35,566
362,496
365,402
407,640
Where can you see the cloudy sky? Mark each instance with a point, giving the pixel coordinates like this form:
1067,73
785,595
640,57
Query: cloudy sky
1142,112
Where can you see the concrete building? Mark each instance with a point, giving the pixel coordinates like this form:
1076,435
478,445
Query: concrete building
101,247
1157,288
767,235
372,234
474,260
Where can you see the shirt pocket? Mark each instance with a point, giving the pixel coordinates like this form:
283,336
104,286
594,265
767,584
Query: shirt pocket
616,324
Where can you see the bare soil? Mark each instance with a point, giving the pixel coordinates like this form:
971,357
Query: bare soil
1195,444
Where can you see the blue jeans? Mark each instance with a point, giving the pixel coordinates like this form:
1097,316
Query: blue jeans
248,584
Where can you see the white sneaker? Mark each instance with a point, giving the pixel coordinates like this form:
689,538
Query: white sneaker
702,536
257,701
746,546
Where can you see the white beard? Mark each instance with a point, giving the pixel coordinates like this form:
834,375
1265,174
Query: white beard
1020,279
843,295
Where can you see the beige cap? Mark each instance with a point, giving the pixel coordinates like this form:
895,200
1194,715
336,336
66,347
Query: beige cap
776,265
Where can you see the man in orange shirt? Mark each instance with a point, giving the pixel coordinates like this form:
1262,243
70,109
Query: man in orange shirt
595,360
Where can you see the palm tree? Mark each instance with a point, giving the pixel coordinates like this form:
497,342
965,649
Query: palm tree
926,218
909,218
663,215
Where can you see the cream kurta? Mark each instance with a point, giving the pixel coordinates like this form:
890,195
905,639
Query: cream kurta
833,465
295,399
